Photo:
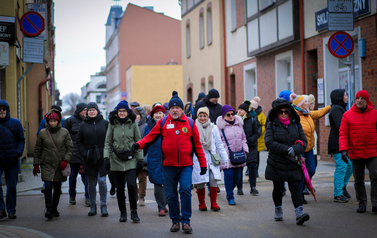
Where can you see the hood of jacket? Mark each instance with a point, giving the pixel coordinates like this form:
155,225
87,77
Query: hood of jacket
113,116
143,115
7,117
279,103
209,104
336,97
221,123
259,109
59,123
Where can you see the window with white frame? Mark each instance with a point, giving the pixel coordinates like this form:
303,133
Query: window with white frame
188,41
284,72
201,30
265,3
250,81
234,15
209,26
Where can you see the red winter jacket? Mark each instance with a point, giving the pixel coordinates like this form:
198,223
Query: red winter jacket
177,149
358,133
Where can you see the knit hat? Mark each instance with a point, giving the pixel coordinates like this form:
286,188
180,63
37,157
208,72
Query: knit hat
157,103
123,104
81,106
245,106
203,110
364,94
287,95
225,109
257,99
134,104
254,104
157,108
53,115
56,107
93,105
213,93
200,96
299,100
175,100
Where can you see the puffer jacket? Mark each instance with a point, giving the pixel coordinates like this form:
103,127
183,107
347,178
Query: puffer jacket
235,135
72,124
45,154
121,136
278,139
307,122
252,130
12,143
154,157
338,108
358,133
262,122
142,123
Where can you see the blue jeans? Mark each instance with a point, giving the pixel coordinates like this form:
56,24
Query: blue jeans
342,174
231,178
172,176
11,177
73,179
310,166
92,184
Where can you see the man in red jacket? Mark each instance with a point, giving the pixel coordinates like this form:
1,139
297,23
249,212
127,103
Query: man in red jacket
180,139
358,139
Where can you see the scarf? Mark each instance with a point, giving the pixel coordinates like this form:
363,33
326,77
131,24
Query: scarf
205,132
303,111
285,121
123,120
230,122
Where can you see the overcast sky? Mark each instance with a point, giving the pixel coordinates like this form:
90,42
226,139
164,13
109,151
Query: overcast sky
80,37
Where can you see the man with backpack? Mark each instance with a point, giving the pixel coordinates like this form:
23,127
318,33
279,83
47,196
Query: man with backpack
180,140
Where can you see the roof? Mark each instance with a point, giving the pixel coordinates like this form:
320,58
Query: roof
117,13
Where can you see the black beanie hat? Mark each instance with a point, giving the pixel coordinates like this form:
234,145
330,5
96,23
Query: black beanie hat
213,93
93,105
81,106
245,106
175,100
56,107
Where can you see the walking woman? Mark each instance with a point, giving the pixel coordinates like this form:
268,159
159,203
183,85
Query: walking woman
52,153
211,141
90,141
285,139
231,126
123,132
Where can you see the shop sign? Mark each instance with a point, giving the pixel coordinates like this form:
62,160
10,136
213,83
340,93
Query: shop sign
7,29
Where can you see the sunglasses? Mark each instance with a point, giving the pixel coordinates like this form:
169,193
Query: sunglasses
229,114
284,112
3,108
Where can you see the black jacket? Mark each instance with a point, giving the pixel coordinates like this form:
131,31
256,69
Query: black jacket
214,109
91,142
278,139
338,108
72,124
253,130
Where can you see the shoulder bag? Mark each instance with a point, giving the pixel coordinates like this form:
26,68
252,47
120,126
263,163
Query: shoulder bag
236,158
67,170
216,158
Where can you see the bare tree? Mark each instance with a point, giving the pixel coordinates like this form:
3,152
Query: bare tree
69,102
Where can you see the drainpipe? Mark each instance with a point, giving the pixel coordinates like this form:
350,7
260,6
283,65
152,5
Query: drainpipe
302,46
40,96
225,72
19,92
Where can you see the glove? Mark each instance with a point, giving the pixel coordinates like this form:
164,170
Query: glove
107,164
203,170
139,165
291,151
36,170
63,164
226,163
134,148
292,158
344,156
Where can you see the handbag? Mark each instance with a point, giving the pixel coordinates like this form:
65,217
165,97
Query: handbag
67,170
216,159
236,158
124,155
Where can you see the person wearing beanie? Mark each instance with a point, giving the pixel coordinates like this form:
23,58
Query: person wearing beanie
134,104
201,95
72,124
231,126
210,101
212,144
307,118
357,140
48,163
90,143
252,129
180,138
42,124
287,95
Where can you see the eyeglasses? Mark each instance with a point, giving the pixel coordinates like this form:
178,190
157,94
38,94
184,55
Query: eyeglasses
284,112
229,114
122,111
3,108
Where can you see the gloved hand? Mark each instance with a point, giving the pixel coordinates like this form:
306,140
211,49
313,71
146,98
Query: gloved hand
203,170
226,163
291,151
139,165
107,164
134,148
344,154
63,164
36,170
292,158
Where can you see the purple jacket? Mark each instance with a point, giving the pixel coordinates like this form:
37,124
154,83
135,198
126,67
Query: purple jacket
235,135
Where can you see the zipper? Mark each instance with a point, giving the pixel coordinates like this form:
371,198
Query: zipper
177,143
123,162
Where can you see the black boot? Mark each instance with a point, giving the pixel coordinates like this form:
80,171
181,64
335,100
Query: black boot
123,216
55,212
134,216
48,214
93,210
104,211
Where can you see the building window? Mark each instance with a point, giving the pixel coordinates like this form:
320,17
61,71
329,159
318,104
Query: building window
188,41
234,15
209,26
201,30
284,75
250,81
265,3
98,99
202,87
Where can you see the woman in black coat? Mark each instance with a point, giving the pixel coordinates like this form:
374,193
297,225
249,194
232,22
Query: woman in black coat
283,132
90,142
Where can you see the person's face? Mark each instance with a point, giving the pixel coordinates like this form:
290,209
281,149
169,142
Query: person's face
305,105
53,122
240,112
213,100
132,107
345,97
311,106
361,102
203,117
229,116
82,113
176,112
122,113
3,111
92,112
283,113
158,115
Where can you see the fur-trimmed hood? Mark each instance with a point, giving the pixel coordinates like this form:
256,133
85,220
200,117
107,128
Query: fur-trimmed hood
221,123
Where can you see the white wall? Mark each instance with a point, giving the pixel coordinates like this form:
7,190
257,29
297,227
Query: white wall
310,7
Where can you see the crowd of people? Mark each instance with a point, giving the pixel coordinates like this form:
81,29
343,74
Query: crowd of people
187,146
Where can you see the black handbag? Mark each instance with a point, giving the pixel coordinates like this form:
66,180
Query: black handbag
123,154
236,158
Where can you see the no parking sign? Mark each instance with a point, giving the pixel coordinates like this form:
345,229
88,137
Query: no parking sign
340,44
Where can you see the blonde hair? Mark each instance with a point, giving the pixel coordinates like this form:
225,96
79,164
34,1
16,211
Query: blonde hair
311,99
147,108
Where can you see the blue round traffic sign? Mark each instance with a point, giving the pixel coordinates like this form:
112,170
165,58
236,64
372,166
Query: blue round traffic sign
340,44
32,24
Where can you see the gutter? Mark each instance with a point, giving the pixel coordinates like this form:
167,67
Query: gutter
225,71
302,46
48,78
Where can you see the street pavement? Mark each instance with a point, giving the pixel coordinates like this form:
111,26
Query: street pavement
253,216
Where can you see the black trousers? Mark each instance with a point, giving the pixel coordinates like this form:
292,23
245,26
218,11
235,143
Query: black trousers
294,188
120,180
52,200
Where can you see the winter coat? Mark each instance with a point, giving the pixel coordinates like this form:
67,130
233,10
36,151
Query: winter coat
179,142
72,124
154,157
358,133
45,154
262,122
142,123
307,122
216,145
235,135
214,109
12,140
278,139
90,142
252,130
121,136
338,108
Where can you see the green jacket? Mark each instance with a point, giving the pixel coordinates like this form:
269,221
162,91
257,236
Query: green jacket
122,137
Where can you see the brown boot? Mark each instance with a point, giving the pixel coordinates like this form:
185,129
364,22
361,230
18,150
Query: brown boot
213,197
201,197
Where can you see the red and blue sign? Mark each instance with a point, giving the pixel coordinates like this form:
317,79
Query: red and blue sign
340,44
32,24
